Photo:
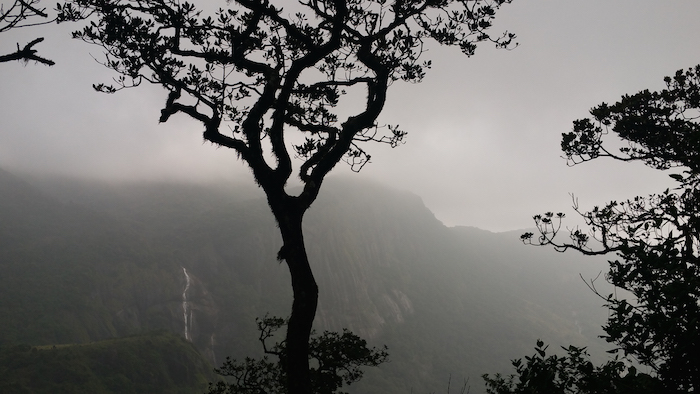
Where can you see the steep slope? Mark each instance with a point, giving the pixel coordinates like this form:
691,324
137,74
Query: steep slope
447,301
73,275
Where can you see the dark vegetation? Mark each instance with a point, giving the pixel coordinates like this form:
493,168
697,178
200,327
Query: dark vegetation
654,241
446,301
158,362
336,360
23,13
572,373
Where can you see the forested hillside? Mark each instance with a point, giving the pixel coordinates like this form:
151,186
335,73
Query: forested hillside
88,261
158,362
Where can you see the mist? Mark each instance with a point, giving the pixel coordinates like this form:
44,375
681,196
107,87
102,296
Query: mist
483,132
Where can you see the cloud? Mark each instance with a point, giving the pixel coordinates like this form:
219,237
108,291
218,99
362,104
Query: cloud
483,143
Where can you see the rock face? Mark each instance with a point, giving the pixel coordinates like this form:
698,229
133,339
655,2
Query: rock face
201,263
363,261
353,301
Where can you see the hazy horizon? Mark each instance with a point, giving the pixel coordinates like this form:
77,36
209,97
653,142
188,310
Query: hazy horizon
483,132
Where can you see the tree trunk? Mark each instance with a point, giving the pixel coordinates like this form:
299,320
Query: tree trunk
305,289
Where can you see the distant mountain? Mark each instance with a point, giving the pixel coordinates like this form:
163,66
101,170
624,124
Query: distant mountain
88,261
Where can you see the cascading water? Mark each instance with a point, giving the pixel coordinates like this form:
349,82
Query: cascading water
185,305
580,329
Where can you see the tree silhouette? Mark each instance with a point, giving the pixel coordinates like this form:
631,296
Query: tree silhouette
572,373
655,239
337,359
18,15
280,88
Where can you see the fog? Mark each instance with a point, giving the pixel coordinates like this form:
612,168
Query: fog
483,132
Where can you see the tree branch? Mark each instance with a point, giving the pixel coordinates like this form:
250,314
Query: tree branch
27,54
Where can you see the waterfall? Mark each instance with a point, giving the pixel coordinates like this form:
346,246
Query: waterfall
185,306
576,323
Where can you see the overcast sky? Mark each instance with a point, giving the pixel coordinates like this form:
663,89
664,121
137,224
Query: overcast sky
484,132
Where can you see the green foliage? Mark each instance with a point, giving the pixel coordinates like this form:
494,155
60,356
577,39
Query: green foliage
572,373
656,239
336,359
158,362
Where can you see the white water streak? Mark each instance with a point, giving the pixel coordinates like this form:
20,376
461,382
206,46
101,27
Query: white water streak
185,305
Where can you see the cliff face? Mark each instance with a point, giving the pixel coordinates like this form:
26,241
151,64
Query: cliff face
91,262
364,243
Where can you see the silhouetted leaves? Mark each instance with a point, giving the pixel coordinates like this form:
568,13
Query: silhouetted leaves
336,359
572,373
656,239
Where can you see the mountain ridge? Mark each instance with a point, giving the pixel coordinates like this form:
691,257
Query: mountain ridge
447,300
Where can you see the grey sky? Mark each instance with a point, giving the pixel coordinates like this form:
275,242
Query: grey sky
483,143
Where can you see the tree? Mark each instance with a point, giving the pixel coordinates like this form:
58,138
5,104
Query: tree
655,239
15,16
336,358
275,87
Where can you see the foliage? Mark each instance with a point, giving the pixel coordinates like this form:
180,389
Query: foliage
655,238
16,15
262,73
572,373
336,358
660,128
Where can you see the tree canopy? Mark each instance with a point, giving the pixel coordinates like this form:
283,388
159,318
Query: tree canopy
655,239
254,72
